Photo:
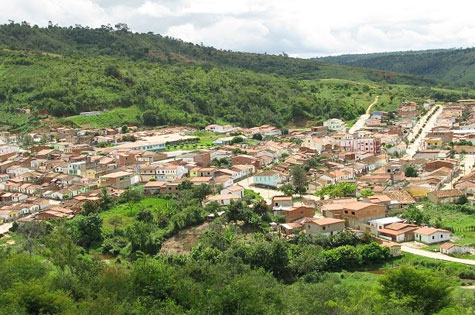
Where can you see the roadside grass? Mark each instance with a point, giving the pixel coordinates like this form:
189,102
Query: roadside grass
452,268
127,212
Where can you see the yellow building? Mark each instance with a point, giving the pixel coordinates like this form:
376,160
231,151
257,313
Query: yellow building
433,143
90,173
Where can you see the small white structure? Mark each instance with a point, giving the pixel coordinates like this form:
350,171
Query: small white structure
428,235
335,124
233,190
450,248
378,224
219,128
222,200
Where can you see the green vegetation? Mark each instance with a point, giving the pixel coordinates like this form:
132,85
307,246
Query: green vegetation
449,65
410,171
157,81
299,179
107,261
127,212
337,191
459,218
115,117
422,291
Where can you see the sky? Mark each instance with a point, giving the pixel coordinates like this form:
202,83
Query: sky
300,28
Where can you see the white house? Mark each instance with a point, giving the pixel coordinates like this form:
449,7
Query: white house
6,149
325,226
233,190
170,172
76,168
16,170
378,224
428,235
219,128
268,178
223,200
451,248
335,124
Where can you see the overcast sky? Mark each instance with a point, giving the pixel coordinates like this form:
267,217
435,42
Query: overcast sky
303,28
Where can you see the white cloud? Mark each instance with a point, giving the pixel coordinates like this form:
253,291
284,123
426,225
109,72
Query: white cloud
154,9
299,27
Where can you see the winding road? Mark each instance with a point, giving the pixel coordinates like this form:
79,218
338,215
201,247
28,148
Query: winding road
438,256
363,118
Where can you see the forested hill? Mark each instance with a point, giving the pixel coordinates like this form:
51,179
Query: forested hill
155,80
449,65
120,42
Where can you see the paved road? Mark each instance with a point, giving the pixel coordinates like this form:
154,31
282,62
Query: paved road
466,165
416,145
363,118
438,256
267,194
5,227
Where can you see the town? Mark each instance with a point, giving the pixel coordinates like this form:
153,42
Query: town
319,180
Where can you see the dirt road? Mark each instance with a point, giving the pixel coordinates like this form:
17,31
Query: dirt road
363,118
438,256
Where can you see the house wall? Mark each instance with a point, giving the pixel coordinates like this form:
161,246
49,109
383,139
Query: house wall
432,238
446,200
328,230
298,213
273,180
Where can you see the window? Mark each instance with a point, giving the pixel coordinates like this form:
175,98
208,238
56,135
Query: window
433,237
324,228
346,211
352,212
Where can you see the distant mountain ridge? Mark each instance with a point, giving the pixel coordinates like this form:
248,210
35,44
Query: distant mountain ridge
449,65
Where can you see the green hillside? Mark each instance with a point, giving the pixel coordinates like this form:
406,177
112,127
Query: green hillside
450,65
119,42
61,72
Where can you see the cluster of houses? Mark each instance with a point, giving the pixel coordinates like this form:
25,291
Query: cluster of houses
66,167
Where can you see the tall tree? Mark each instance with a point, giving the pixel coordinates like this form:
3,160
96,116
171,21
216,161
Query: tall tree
299,178
423,291
89,229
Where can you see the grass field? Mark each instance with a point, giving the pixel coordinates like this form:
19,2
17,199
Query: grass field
453,219
127,212
205,141
113,118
